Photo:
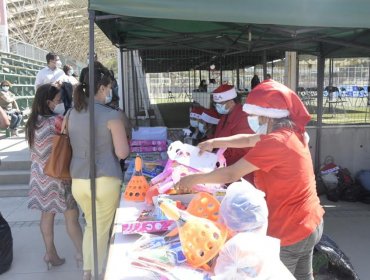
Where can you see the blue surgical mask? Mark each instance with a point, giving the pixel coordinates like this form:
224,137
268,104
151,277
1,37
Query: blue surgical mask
202,128
108,99
6,88
59,109
70,72
193,123
221,109
254,124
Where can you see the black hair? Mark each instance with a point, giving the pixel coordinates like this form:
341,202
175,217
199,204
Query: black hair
40,107
51,56
66,68
282,122
102,77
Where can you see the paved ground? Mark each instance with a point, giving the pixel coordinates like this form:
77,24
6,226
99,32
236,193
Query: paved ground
346,223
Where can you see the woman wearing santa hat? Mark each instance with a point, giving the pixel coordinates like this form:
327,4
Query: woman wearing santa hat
231,113
207,123
281,161
192,132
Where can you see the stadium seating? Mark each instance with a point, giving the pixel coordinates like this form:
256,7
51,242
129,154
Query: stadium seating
21,72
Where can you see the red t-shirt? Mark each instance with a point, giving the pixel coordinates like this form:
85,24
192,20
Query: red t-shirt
235,122
286,176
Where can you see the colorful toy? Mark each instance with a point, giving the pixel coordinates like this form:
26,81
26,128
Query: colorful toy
184,160
201,239
203,205
137,186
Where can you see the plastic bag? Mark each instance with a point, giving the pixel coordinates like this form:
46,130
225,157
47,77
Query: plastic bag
329,260
328,173
363,178
244,208
6,245
249,255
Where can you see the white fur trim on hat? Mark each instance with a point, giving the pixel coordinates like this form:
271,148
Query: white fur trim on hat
209,119
266,112
194,115
224,96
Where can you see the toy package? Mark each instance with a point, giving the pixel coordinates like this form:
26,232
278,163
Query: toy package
184,160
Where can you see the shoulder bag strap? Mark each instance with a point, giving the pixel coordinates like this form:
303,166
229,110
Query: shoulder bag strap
64,129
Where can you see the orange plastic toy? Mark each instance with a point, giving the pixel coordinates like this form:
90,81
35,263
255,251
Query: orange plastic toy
138,185
204,205
201,239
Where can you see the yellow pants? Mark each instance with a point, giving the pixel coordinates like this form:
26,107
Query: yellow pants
107,198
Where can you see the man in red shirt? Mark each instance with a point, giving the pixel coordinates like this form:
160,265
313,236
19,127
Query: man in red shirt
281,161
232,122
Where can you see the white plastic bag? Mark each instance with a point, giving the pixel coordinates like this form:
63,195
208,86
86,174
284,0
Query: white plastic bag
244,208
248,255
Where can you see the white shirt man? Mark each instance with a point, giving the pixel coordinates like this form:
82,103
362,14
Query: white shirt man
51,73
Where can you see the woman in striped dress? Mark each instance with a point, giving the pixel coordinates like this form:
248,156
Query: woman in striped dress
48,194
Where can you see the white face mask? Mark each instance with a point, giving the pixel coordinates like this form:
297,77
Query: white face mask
59,109
221,109
58,64
254,124
108,99
70,72
6,88
194,123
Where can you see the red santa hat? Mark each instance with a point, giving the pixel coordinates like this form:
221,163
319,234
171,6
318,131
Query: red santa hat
210,116
274,100
224,93
196,111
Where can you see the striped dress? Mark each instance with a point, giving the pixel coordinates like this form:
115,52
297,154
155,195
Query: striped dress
46,193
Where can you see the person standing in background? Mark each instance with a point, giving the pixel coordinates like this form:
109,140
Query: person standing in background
202,86
83,71
68,71
47,194
255,81
51,73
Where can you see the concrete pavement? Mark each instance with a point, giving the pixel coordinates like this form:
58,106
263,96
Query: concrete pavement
28,246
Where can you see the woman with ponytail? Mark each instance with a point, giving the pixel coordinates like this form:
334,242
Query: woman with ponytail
111,146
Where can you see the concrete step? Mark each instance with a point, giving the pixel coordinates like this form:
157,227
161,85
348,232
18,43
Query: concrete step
14,190
15,165
13,177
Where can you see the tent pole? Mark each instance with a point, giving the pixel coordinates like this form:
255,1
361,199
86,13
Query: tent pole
92,140
189,81
122,80
297,73
264,64
320,87
135,91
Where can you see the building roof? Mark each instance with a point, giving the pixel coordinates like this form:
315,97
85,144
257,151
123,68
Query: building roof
60,26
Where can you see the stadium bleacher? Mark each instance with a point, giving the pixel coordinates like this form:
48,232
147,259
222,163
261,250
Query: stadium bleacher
21,72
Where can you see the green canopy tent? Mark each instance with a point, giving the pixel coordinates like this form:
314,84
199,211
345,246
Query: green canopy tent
220,29
242,32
